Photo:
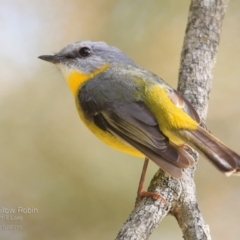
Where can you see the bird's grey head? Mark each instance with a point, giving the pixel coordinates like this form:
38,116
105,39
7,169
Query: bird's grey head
87,56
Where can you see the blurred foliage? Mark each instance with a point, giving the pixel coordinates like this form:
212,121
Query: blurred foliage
49,161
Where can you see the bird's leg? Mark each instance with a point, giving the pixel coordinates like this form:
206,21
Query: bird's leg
141,182
140,192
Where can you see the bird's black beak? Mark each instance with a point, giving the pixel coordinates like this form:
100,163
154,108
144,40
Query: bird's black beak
51,58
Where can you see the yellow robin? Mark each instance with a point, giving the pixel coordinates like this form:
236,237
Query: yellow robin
135,111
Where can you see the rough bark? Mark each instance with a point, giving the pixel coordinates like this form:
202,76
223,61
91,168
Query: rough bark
195,77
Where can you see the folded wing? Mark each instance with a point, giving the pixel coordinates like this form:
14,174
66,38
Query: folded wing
136,125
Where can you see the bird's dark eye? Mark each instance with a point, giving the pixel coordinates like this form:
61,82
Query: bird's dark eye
84,51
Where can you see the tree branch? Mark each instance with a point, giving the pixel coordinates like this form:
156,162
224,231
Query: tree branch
199,51
195,77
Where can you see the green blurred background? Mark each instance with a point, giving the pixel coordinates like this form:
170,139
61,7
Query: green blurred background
49,161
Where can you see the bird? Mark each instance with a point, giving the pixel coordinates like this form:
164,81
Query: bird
133,110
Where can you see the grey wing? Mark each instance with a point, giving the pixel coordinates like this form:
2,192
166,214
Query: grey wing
136,125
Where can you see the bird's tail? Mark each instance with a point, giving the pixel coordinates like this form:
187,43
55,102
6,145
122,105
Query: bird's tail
221,156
